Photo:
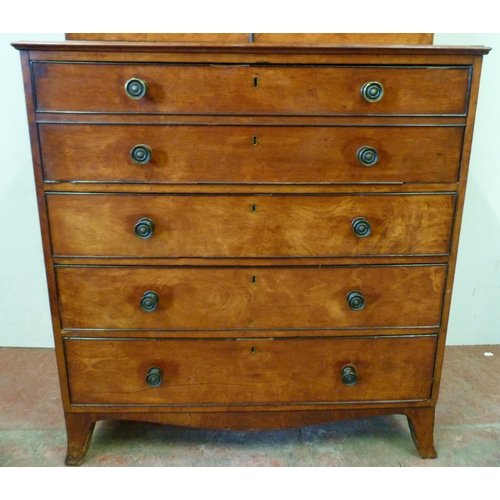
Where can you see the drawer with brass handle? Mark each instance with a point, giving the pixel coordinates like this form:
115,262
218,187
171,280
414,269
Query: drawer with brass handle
255,371
85,225
169,298
245,154
251,89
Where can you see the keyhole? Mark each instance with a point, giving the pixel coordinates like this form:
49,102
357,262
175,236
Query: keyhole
255,140
254,208
254,279
255,82
252,350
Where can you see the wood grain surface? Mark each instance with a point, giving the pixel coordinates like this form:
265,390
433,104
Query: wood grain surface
344,38
256,298
246,154
250,226
163,37
230,89
109,371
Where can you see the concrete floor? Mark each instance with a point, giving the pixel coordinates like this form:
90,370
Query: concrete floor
467,432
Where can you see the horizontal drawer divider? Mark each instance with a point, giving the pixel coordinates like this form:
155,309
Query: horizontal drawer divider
374,115
260,65
274,329
215,124
356,266
243,339
233,405
218,257
275,195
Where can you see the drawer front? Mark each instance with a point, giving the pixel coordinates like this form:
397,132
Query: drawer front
241,154
255,298
247,90
249,226
231,372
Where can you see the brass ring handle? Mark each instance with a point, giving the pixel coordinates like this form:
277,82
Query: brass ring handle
136,88
144,228
367,156
361,227
149,301
372,91
349,376
356,300
154,377
141,154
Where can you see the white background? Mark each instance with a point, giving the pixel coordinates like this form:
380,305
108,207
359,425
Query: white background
24,307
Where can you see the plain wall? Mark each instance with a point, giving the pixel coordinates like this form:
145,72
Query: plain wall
24,306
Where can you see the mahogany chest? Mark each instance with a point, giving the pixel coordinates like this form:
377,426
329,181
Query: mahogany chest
249,235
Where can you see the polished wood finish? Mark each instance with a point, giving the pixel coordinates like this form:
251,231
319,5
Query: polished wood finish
343,38
421,422
250,333
346,38
458,219
223,89
163,37
253,186
239,372
228,154
246,226
303,53
81,431
257,298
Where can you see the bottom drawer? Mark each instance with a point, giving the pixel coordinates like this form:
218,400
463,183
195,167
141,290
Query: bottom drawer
240,372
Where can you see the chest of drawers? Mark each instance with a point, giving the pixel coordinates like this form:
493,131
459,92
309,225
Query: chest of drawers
249,236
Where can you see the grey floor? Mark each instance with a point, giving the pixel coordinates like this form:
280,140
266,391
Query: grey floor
467,432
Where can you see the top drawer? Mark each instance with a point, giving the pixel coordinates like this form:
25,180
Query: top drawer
251,90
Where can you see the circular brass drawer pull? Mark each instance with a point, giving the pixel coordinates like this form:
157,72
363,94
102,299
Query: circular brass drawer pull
367,156
361,227
355,300
149,301
349,376
154,377
144,228
141,154
136,88
372,91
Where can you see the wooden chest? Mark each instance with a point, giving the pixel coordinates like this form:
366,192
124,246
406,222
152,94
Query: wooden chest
249,235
